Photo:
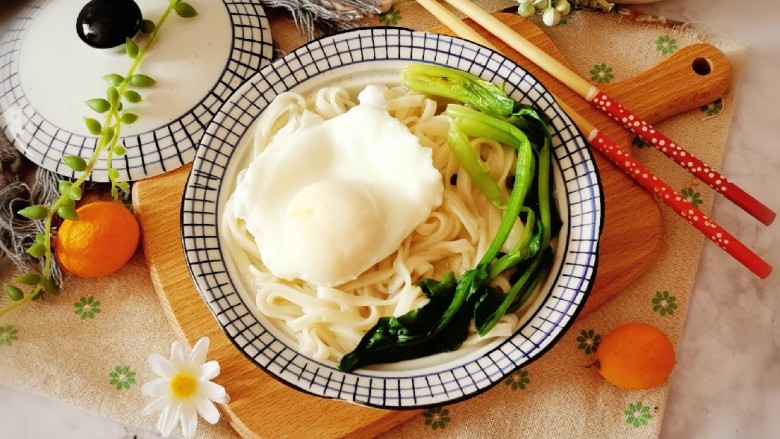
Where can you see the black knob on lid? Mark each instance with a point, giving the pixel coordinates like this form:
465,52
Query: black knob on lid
106,23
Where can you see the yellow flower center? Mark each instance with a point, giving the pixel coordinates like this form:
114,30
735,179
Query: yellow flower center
183,385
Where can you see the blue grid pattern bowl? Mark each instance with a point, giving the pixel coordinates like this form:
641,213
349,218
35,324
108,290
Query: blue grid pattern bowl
357,58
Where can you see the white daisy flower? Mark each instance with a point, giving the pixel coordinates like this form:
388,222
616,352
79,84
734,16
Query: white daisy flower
184,388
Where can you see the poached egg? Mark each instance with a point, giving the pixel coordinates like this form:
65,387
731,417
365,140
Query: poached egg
328,200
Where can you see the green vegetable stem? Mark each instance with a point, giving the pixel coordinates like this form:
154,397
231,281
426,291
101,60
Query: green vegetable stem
443,323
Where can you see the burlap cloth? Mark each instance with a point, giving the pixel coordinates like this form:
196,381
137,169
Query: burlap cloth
68,350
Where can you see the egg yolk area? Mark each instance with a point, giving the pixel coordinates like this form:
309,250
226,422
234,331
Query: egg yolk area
329,223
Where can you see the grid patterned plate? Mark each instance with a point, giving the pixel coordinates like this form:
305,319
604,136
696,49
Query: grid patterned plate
42,129
362,56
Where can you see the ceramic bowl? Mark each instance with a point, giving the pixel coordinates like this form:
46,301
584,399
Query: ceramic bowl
351,59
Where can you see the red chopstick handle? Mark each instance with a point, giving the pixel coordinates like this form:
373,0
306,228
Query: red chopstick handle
684,158
680,205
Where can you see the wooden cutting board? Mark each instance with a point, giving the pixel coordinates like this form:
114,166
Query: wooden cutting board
262,407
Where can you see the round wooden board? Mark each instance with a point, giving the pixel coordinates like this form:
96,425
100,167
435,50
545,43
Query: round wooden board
261,407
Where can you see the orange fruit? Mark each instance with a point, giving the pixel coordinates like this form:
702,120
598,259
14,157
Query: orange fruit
635,356
103,239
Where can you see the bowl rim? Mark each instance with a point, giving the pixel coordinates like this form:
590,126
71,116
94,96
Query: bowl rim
547,342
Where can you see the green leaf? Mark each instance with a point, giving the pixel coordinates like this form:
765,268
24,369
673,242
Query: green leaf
131,48
62,186
14,293
414,334
120,150
468,158
114,79
34,212
113,174
37,250
132,96
67,211
147,26
75,162
50,286
457,85
185,10
129,118
74,193
28,278
40,238
99,105
431,328
93,126
141,80
112,94
123,185
108,133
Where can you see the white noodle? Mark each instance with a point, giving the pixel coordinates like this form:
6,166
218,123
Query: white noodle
328,322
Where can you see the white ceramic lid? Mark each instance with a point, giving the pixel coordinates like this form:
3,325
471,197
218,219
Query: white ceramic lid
47,72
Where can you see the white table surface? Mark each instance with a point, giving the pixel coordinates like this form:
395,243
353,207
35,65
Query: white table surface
727,380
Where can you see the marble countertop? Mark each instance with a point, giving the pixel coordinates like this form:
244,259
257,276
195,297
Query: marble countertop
727,380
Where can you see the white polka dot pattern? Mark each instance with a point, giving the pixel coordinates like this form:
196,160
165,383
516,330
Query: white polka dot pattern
683,158
688,211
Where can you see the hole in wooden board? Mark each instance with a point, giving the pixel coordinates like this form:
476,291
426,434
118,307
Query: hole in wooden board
702,66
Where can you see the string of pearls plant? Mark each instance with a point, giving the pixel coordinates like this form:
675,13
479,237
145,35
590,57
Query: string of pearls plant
553,10
119,92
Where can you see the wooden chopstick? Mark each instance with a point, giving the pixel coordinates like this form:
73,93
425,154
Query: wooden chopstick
605,103
624,161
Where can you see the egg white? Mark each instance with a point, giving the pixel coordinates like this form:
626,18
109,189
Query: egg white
328,200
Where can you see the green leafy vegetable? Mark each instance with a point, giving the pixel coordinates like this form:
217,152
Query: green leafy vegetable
405,337
459,86
469,160
443,323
